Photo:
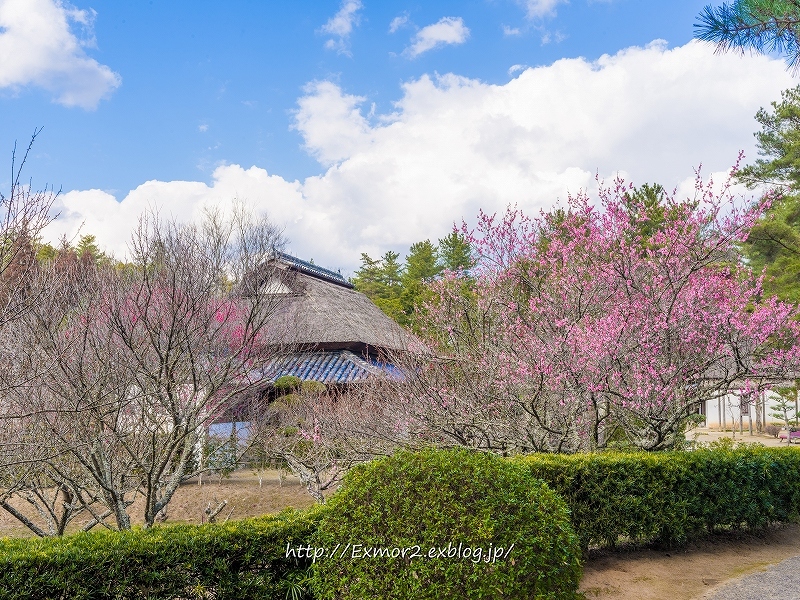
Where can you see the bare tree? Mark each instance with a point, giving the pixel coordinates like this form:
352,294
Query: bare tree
141,359
312,432
76,393
191,326
24,212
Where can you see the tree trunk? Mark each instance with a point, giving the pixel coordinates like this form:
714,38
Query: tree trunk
23,519
724,416
758,413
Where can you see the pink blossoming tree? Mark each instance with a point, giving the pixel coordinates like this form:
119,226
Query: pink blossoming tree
593,326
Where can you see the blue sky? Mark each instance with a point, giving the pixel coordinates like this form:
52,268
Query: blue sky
331,101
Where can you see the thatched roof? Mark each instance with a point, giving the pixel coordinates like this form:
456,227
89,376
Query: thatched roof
321,310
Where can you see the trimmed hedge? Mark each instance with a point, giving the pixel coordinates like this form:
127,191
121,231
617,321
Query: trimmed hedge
452,500
239,560
430,499
671,497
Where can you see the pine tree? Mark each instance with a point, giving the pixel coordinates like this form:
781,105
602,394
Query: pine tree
773,246
422,265
88,250
421,262
45,252
401,290
773,243
381,281
368,279
785,408
760,25
779,144
455,253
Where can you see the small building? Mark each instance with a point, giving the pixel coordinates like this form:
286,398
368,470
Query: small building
334,334
322,330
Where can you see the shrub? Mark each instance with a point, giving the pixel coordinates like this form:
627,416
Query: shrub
313,387
287,383
453,500
672,497
243,559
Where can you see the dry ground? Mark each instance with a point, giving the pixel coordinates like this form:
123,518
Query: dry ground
691,573
241,490
704,435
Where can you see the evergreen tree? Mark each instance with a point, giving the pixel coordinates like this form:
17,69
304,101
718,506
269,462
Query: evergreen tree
774,242
455,253
760,25
392,271
773,245
400,290
369,279
422,262
381,281
88,250
45,252
785,408
779,145
422,265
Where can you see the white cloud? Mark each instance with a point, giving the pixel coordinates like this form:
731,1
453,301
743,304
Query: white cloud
511,31
202,128
540,8
516,68
39,48
341,25
550,36
397,23
97,211
331,122
447,30
453,145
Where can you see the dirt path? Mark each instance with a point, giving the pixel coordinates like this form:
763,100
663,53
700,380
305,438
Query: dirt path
694,573
778,581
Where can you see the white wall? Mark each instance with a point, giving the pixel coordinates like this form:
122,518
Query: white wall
728,409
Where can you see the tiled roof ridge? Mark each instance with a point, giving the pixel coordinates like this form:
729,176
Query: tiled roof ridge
339,366
314,270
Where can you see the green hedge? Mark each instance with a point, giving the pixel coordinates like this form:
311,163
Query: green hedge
428,499
238,560
445,501
672,497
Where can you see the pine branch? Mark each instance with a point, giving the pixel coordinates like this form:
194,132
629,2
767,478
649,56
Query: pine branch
761,25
